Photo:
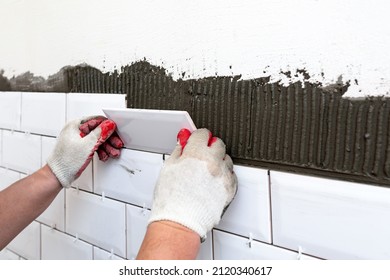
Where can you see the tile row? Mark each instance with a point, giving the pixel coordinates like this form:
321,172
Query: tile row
91,220
132,177
330,218
46,113
319,217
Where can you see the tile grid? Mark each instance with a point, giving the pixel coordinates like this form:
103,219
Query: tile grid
257,225
108,198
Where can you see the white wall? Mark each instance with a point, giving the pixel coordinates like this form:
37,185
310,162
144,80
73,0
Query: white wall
275,215
251,38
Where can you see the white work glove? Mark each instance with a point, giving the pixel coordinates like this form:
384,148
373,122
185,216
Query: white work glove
196,183
76,144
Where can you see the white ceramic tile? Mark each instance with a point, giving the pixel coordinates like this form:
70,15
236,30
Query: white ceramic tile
8,177
137,222
21,151
206,248
10,110
57,245
99,254
28,243
330,219
6,254
150,130
54,215
130,178
43,113
231,247
84,181
48,144
250,210
87,104
97,220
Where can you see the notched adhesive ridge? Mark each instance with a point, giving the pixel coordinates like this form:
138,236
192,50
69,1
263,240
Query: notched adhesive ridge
301,127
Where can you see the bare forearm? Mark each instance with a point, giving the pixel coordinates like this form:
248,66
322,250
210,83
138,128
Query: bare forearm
24,201
169,241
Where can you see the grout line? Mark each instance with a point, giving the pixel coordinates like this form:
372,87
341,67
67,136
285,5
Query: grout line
20,110
265,243
64,206
73,236
270,206
23,132
126,235
242,236
93,173
41,148
111,198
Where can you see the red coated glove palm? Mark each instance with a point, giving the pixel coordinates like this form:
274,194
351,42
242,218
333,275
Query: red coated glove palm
77,143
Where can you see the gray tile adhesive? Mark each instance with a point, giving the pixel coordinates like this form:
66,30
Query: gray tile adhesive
303,128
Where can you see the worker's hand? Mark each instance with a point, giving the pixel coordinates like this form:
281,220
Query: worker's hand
196,183
76,144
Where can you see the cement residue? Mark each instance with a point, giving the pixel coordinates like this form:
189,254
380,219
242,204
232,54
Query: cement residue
30,82
301,126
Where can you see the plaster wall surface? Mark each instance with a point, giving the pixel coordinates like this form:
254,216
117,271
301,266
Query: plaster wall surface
332,40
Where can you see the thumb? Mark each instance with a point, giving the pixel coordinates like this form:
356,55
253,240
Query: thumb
101,133
182,138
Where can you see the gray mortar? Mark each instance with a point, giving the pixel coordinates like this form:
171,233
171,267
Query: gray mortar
302,128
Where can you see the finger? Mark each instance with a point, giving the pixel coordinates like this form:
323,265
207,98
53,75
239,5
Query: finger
199,138
89,124
212,140
116,141
103,131
228,162
100,134
183,136
102,154
110,150
176,153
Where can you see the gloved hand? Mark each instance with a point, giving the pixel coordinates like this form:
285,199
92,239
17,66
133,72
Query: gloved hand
196,183
76,144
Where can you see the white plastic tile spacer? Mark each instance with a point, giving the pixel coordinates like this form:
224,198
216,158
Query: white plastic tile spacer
250,240
76,238
111,254
53,226
299,256
103,196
